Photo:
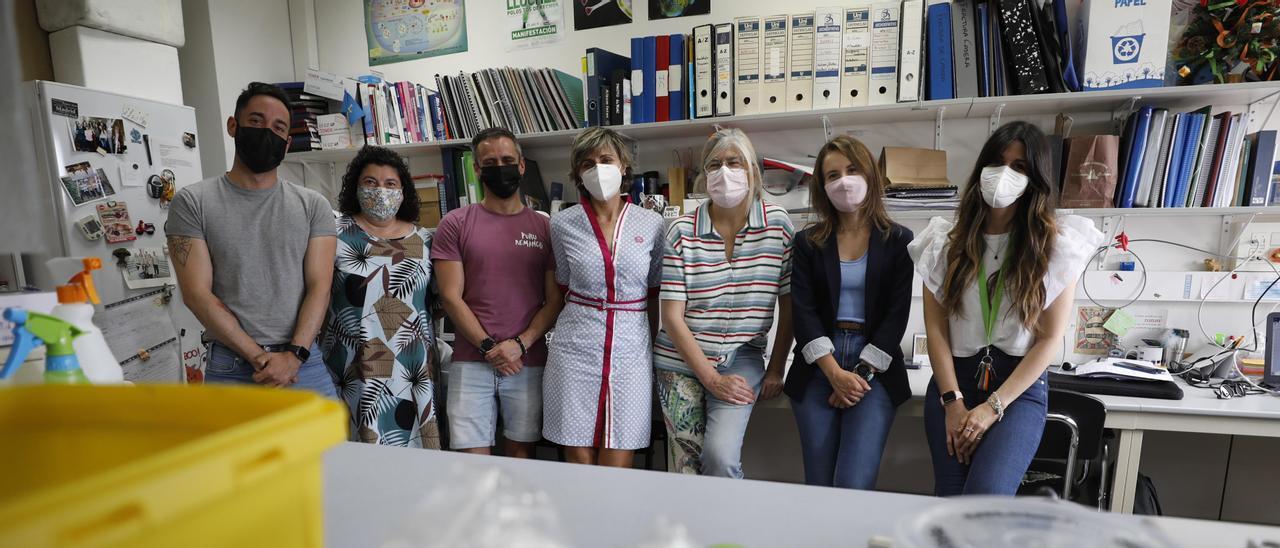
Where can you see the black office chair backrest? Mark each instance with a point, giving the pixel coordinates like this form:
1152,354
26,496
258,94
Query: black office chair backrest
1090,416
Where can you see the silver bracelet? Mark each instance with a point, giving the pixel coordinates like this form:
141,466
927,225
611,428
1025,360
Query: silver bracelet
996,405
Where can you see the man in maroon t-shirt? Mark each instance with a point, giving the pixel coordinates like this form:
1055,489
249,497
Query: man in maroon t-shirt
497,281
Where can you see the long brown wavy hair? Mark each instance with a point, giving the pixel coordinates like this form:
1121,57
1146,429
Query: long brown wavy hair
1031,233
872,209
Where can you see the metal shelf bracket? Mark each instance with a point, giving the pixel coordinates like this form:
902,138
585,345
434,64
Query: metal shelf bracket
995,118
937,128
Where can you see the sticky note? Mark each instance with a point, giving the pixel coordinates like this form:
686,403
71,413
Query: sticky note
1119,323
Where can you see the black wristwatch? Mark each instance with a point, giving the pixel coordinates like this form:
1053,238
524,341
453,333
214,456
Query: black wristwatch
523,350
487,344
300,351
865,371
948,397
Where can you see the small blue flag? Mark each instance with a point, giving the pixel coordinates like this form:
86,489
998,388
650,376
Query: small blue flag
351,108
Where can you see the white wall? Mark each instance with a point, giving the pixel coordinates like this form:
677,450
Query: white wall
229,44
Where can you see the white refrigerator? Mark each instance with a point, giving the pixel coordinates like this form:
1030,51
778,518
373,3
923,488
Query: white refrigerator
108,163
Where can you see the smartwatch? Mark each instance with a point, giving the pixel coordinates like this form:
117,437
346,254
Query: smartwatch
487,344
951,396
865,371
301,352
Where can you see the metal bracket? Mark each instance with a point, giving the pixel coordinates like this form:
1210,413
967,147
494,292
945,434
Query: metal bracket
937,128
995,118
827,131
1253,111
1117,119
1110,226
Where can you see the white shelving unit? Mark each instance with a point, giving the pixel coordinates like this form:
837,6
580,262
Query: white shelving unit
1260,97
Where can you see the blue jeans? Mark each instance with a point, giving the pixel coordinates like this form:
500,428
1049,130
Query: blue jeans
1006,450
227,367
476,391
842,447
704,432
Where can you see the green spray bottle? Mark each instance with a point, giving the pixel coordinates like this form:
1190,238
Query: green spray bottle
31,329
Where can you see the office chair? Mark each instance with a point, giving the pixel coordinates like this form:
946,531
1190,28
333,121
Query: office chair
1073,447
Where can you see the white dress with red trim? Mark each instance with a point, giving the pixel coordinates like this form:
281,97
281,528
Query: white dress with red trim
598,384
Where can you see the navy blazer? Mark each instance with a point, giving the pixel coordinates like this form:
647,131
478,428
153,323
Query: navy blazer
815,293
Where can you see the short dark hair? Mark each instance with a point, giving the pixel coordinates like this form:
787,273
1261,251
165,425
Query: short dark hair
348,199
496,132
255,89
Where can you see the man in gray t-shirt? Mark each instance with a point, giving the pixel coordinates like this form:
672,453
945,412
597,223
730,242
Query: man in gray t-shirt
255,255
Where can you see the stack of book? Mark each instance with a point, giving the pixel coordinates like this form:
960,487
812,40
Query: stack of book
396,112
522,100
304,135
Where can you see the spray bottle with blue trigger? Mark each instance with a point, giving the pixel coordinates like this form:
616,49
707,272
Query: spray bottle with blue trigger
32,329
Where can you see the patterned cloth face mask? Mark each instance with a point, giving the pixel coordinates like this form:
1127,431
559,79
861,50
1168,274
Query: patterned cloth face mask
380,204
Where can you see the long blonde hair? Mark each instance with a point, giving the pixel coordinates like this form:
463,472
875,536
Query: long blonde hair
872,209
1031,233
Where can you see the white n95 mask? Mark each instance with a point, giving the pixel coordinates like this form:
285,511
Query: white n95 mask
1001,186
603,181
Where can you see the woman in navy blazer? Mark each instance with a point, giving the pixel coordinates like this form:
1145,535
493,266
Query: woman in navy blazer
851,296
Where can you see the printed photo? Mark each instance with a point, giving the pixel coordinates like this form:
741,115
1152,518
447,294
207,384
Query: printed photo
85,184
189,140
88,134
920,350
594,14
147,267
666,9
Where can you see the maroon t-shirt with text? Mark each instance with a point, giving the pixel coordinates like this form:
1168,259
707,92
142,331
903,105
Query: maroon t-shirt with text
504,263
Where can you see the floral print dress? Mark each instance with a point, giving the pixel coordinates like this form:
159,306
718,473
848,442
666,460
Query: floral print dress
378,339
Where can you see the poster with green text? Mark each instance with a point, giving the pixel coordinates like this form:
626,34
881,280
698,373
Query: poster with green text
534,23
404,30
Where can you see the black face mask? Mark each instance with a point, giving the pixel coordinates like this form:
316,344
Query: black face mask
502,181
259,148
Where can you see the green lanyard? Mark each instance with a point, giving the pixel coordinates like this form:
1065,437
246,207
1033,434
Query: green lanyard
990,310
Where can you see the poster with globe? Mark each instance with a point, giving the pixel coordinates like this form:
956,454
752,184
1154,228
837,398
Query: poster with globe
403,30
666,9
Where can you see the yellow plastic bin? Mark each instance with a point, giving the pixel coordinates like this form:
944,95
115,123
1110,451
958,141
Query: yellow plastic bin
164,466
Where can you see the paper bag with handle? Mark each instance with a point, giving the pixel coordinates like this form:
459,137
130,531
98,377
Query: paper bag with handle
1091,171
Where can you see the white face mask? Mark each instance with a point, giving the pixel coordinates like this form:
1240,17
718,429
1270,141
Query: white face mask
847,193
727,186
1001,186
603,181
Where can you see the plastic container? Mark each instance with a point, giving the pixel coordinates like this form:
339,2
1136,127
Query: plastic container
162,465
92,351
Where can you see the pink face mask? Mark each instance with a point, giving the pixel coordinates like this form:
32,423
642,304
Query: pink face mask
847,193
727,186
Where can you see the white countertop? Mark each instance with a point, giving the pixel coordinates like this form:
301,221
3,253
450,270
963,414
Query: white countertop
372,491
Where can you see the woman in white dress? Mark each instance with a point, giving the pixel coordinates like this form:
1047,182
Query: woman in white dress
598,384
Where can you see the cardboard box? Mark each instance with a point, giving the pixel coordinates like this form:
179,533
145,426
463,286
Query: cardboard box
1122,44
428,202
914,167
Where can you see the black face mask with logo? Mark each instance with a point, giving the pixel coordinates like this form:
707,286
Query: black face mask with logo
259,148
502,181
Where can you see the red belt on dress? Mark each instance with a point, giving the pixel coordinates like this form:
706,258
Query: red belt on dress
602,304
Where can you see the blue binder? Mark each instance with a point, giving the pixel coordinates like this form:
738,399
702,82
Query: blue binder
984,47
1187,156
650,96
941,69
1135,154
1264,153
677,60
600,64
637,69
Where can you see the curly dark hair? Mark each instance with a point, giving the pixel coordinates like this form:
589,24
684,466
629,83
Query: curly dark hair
349,202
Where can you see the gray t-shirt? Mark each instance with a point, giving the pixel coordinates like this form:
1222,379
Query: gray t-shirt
257,241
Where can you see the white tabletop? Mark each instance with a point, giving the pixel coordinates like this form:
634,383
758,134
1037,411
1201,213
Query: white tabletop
371,491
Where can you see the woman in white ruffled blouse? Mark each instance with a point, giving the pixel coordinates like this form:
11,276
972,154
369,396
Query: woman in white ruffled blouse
999,285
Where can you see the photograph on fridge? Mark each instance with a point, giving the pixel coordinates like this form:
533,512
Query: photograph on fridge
147,267
90,133
85,184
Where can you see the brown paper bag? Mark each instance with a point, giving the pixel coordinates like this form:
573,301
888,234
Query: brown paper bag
914,167
1091,171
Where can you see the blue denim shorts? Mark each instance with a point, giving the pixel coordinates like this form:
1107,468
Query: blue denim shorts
476,395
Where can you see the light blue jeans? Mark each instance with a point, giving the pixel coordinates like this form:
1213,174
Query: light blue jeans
705,433
476,391
842,447
227,367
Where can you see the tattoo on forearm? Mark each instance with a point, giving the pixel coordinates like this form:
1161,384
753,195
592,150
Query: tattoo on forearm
180,249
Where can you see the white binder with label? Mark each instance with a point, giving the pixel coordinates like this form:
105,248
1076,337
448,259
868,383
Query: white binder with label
746,65
703,75
828,39
773,82
800,67
909,58
724,69
856,47
883,81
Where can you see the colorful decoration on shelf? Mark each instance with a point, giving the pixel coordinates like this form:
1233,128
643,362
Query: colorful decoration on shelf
1230,41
